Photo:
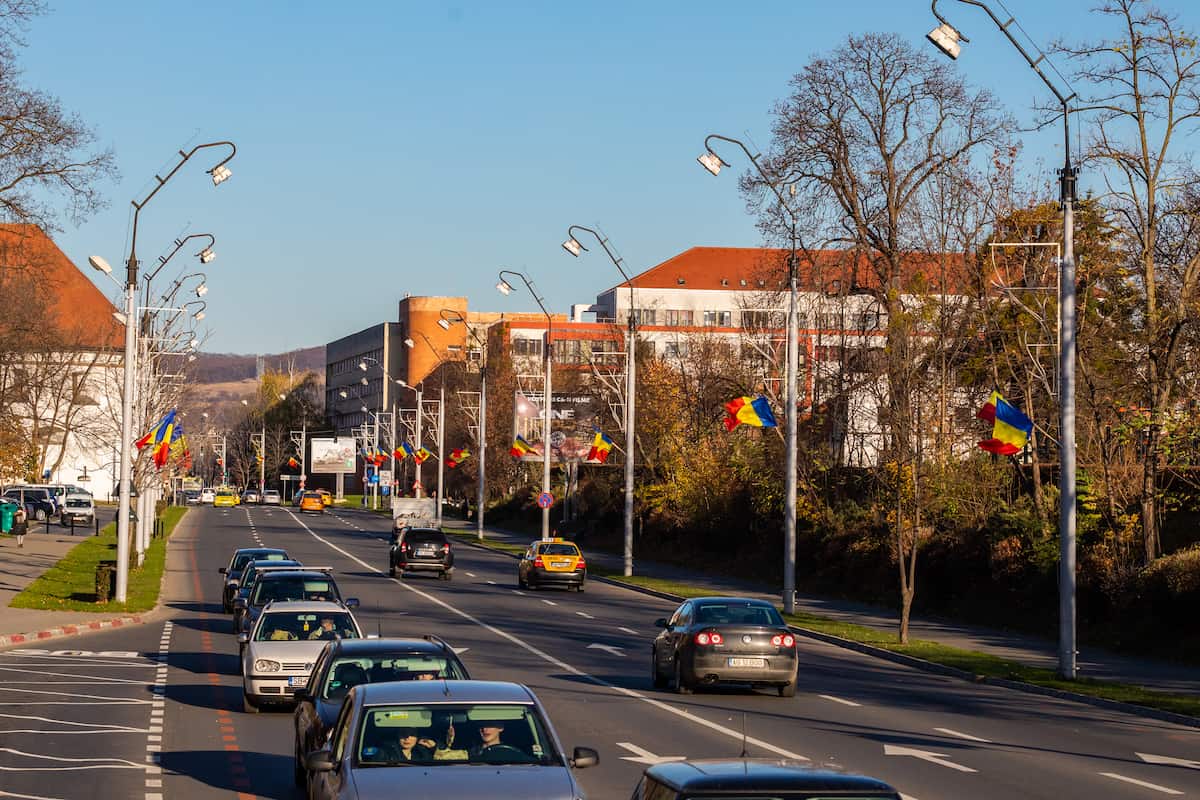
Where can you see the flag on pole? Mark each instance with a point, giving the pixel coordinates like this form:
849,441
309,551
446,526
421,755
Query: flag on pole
754,411
457,456
1010,427
161,433
520,447
422,455
404,451
602,445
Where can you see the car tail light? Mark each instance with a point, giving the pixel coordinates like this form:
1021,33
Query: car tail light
446,547
785,640
537,562
706,638
580,564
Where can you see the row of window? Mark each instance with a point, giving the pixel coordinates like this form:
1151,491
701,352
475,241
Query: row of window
345,365
755,320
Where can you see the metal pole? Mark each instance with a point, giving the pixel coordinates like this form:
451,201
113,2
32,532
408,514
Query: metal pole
546,400
1066,417
420,492
123,505
262,464
789,525
630,435
479,490
441,498
374,449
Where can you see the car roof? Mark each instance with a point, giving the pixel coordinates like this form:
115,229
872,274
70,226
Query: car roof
305,607
753,601
739,775
421,529
263,550
293,573
444,692
362,647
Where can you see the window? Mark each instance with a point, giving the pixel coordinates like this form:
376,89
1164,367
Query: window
761,320
526,347
676,349
461,734
718,319
679,317
569,351
645,316
869,321
829,321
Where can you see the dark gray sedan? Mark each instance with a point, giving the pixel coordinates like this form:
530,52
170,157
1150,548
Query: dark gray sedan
714,640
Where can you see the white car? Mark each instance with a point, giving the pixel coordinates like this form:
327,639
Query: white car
283,645
270,497
207,495
78,509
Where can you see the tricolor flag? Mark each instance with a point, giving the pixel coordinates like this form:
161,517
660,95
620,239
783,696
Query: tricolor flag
601,447
520,447
754,411
457,456
293,463
404,451
421,455
161,437
1010,427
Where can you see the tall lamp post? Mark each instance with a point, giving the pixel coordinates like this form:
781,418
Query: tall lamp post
504,287
441,444
946,38
453,318
384,401
713,163
573,246
206,255
219,173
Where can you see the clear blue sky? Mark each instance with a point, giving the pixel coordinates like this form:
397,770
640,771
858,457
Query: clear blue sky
393,147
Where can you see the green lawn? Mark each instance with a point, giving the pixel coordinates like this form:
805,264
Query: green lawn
70,585
503,547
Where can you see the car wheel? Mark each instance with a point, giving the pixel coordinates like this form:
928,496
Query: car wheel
788,690
520,582
248,705
656,677
299,774
40,516
446,576
579,588
391,570
679,684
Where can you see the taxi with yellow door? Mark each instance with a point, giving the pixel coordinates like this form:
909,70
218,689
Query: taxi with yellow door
311,501
225,498
326,497
552,562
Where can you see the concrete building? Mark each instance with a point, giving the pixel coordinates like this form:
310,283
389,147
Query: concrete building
348,387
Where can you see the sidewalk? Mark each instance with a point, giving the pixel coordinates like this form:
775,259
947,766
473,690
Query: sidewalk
1092,662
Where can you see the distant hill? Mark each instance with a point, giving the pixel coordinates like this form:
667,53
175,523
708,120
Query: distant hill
231,368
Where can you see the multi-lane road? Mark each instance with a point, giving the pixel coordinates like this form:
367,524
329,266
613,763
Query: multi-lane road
155,711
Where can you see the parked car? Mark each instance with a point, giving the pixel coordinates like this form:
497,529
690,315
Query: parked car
78,509
326,497
38,502
754,778
208,494
347,663
711,640
420,550
489,739
270,497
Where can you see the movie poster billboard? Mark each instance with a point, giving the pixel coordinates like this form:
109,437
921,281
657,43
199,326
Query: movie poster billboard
332,455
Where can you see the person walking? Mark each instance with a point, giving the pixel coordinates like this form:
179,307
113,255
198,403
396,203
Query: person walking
20,526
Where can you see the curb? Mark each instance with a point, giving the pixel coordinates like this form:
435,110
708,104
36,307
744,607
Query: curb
926,666
11,639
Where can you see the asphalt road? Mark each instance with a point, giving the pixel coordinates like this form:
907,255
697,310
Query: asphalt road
585,655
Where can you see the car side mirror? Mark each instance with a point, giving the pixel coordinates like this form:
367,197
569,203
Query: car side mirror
221,570
584,757
319,761
239,602
351,602
661,622
243,638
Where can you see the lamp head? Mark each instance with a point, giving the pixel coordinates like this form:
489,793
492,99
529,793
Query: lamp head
202,290
342,394
366,382
946,38
444,324
119,317
194,343
100,264
207,255
199,315
711,162
363,409
573,246
410,344
504,287
220,174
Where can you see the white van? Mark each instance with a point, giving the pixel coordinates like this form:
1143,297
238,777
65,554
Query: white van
79,509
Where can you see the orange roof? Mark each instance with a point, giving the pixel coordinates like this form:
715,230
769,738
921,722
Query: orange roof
759,268
76,310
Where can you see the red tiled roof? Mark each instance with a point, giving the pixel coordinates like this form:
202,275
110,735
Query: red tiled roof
760,268
76,309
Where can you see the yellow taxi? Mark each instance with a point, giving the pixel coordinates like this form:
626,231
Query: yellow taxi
311,501
326,497
553,562
225,498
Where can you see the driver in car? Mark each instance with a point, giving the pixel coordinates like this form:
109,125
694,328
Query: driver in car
490,748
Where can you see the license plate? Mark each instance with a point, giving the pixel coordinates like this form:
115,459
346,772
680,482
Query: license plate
424,551
560,564
746,662
298,680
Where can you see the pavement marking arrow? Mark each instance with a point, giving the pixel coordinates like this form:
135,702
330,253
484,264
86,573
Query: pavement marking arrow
1143,784
643,756
933,758
616,651
1168,761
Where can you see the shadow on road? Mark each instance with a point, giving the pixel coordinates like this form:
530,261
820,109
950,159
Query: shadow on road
272,774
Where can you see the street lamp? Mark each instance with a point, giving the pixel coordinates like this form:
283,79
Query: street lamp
205,255
573,246
946,38
441,444
130,362
713,163
481,444
506,288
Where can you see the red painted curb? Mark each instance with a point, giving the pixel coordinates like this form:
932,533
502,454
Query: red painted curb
10,639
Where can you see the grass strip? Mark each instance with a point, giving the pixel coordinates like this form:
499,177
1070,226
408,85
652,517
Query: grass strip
501,547
70,585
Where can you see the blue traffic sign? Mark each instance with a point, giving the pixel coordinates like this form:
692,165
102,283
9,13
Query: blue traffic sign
545,500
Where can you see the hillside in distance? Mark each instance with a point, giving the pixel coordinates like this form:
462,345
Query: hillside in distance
232,368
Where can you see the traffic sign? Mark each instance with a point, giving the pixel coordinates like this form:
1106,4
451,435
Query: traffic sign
545,500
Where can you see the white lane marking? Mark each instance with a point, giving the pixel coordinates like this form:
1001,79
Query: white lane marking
470,574
493,583
933,758
623,629
961,735
116,763
1169,761
1143,784
517,591
608,648
103,727
549,602
833,699
115,700
736,735
27,796
643,756
98,679
75,653
585,615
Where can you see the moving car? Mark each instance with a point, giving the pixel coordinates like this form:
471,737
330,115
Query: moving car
711,640
326,497
420,550
347,663
311,501
288,583
192,497
279,652
77,509
469,738
270,497
207,494
249,579
237,563
250,496
225,498
755,778
555,562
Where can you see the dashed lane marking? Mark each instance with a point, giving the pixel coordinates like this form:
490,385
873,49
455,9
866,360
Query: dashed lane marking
960,735
470,574
841,700
549,602
1143,784
630,631
585,615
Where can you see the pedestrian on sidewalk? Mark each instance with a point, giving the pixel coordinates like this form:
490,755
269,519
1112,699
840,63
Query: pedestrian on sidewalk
20,526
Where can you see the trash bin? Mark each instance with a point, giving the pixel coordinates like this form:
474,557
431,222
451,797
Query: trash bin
106,576
7,510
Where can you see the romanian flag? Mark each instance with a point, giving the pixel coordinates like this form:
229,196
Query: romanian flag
160,436
754,411
457,456
601,447
293,463
520,447
421,455
404,451
1010,427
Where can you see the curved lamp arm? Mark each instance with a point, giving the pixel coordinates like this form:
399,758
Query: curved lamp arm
179,243
573,242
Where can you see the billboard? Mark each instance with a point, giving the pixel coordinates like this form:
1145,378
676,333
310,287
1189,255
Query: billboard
574,419
414,510
332,455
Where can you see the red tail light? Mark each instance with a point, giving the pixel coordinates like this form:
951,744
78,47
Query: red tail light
446,547
786,640
706,638
580,564
537,562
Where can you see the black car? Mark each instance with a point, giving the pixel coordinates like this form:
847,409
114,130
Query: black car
420,550
711,640
746,778
237,563
273,584
38,502
246,586
346,663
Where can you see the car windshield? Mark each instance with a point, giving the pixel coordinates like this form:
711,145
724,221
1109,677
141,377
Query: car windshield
294,589
445,734
283,626
560,550
78,503
425,537
735,613
242,559
346,673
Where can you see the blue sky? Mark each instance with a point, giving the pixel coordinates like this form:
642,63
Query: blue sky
387,148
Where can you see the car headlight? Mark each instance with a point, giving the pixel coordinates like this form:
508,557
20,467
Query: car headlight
266,665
